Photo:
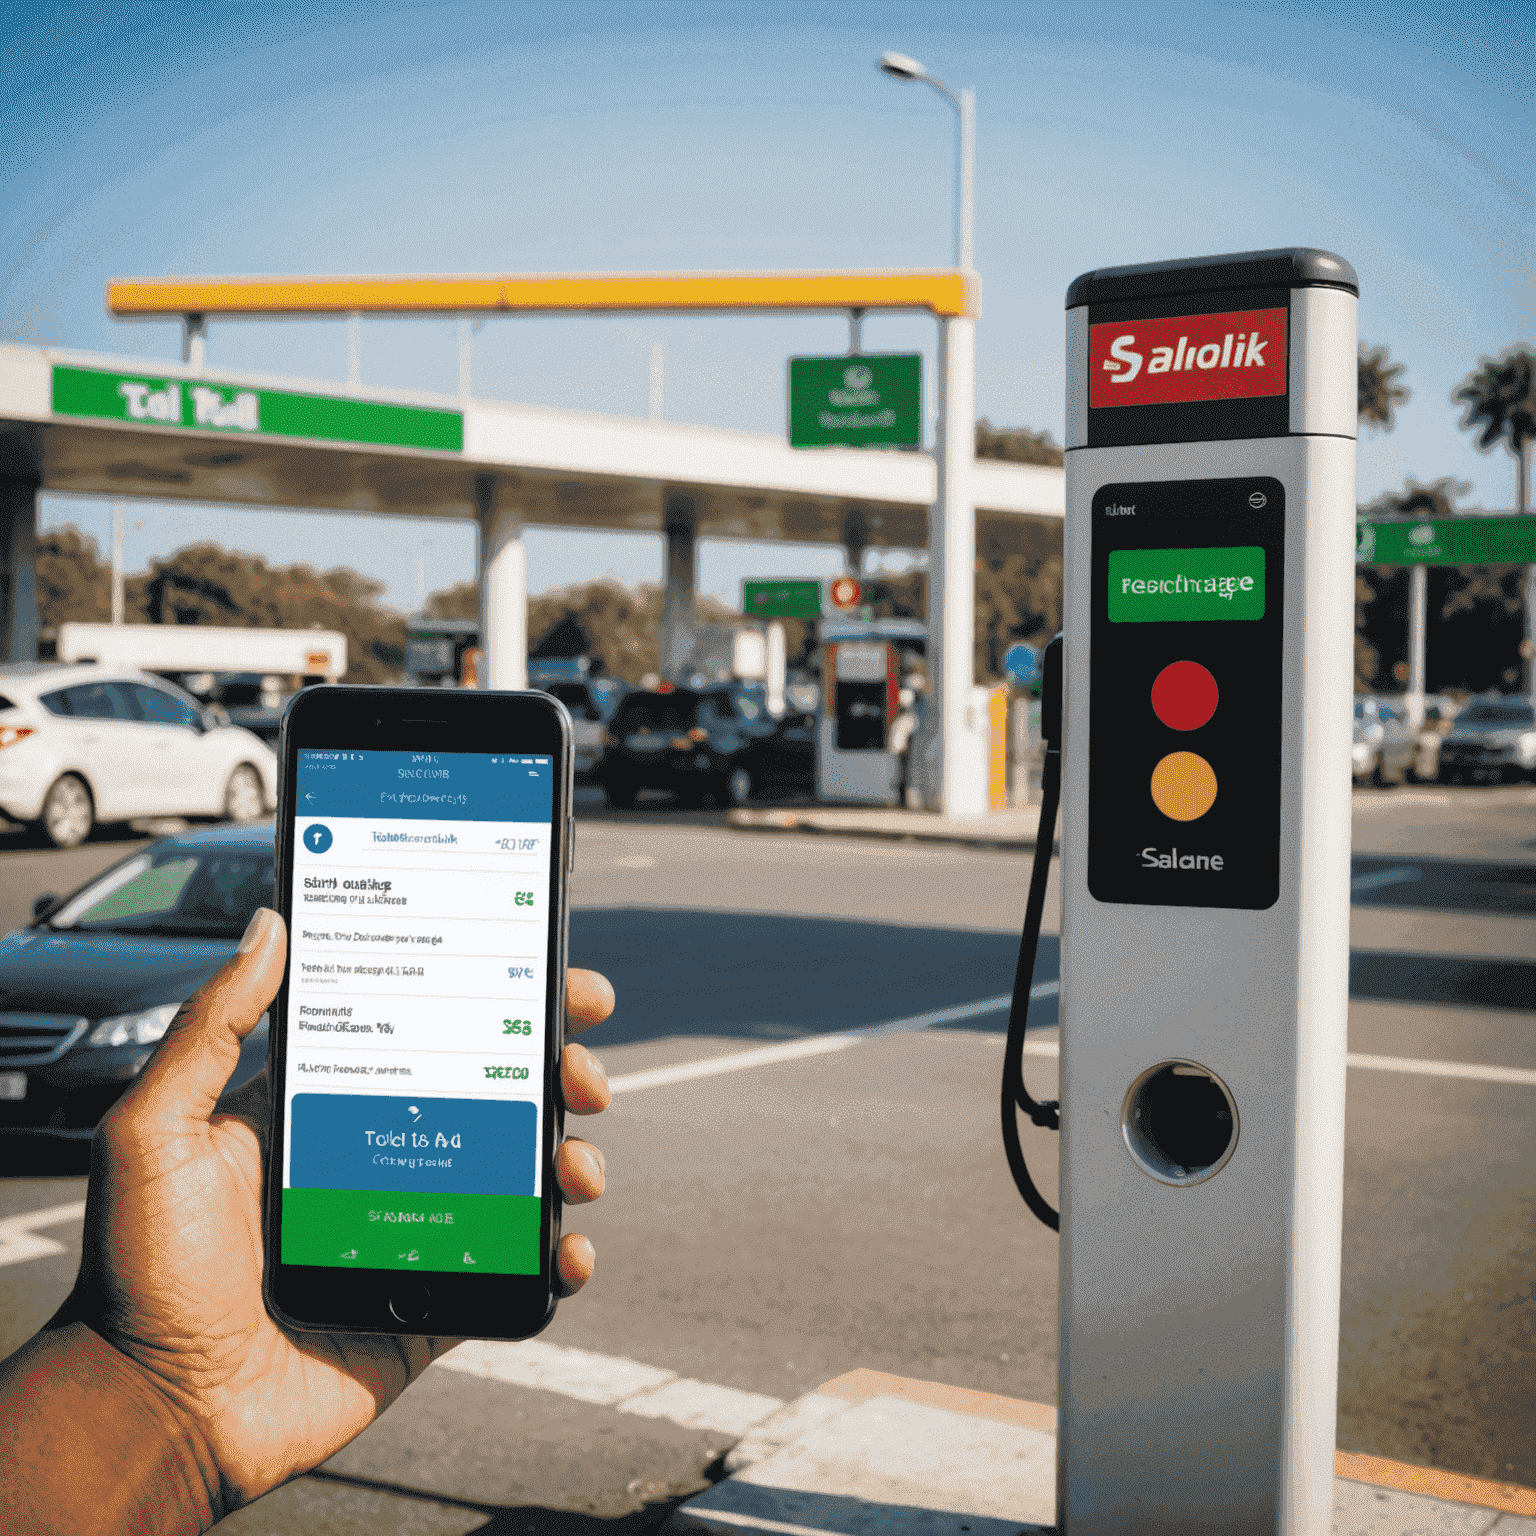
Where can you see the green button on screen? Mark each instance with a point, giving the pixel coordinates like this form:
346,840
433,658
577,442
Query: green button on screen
1185,586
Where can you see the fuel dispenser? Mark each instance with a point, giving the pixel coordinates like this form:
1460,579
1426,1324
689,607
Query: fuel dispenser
1202,757
863,665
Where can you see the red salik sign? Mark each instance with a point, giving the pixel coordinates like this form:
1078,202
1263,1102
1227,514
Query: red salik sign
1232,356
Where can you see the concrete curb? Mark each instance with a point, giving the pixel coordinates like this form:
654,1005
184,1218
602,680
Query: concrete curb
870,1454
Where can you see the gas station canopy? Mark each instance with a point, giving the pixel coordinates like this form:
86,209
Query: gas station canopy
108,426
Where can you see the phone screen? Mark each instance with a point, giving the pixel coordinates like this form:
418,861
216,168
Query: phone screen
413,1078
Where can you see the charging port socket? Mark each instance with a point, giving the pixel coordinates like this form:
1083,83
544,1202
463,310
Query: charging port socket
1180,1122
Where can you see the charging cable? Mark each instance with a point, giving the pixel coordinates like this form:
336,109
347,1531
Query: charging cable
1016,1097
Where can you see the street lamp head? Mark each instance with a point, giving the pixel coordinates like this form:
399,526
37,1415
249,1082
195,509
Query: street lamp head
900,67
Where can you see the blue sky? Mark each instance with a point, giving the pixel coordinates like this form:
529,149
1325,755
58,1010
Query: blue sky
212,138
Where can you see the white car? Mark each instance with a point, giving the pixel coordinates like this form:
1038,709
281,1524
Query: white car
86,744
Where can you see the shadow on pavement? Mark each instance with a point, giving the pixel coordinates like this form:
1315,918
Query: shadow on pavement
1469,885
1400,978
518,1520
756,977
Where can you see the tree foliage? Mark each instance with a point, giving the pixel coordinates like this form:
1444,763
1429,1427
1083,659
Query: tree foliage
206,584
1437,499
1019,445
1500,400
1377,391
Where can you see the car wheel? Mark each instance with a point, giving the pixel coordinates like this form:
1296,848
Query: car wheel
68,813
739,787
620,793
245,798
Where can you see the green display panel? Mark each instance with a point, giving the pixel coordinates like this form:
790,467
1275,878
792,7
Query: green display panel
1161,586
873,400
394,1229
233,410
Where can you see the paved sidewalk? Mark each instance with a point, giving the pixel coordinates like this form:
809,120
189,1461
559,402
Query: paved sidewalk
1015,828
869,1454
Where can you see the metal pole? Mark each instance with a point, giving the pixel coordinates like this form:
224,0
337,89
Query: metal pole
117,562
951,770
1418,618
964,244
354,348
194,341
466,359
658,379
855,332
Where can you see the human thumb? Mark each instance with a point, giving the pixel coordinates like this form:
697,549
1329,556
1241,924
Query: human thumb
188,1071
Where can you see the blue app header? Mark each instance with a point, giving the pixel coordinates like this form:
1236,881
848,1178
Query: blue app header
426,786
432,1146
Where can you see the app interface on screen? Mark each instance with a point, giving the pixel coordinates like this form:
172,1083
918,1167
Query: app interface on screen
416,1011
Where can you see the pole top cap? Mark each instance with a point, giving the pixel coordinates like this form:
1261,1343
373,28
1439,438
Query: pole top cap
1297,267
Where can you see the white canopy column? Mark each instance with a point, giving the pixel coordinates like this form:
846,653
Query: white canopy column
503,589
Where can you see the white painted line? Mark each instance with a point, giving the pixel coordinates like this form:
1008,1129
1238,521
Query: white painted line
821,1045
1521,1077
613,1382
702,1405
700,1519
659,1077
1380,879
19,1243
578,1373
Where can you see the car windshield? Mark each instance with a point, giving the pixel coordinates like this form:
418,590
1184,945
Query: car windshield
174,891
1497,714
655,712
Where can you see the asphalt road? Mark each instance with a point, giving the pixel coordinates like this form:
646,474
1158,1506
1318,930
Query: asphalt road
770,1228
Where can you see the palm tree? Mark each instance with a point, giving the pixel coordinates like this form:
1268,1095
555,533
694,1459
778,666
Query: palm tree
1377,392
1500,401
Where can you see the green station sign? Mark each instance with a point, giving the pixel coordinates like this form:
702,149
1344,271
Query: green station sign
1447,541
792,599
234,410
873,400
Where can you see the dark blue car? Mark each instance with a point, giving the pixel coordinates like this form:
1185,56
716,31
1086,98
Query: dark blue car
89,986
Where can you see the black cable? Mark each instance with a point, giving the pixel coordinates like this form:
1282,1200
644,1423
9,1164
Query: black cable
1015,1096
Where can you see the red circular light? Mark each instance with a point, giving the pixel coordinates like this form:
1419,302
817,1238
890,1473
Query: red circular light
1184,695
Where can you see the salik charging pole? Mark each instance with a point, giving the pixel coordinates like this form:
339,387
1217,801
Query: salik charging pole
1205,876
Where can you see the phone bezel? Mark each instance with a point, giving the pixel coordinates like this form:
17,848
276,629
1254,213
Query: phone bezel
315,1298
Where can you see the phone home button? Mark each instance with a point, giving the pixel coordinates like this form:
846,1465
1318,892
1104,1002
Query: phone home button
410,1302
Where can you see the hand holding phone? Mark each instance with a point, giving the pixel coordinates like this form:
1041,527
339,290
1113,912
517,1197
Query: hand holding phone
424,838
166,1321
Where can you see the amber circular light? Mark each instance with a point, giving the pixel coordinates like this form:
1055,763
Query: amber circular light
1183,786
1184,696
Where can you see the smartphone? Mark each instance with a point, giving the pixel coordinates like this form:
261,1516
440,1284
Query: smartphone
424,838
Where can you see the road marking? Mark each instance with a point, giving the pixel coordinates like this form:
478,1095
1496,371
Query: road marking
613,1382
1520,1076
19,1243
820,1045
1379,879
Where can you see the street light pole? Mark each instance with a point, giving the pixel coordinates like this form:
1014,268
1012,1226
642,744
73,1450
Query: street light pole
948,752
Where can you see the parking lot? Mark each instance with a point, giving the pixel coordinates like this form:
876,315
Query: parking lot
840,1200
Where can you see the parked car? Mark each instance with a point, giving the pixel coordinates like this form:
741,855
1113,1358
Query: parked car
89,986
691,744
1384,746
1492,739
590,708
86,744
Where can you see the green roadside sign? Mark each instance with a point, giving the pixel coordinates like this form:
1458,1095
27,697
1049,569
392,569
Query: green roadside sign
1447,541
874,400
792,599
235,411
